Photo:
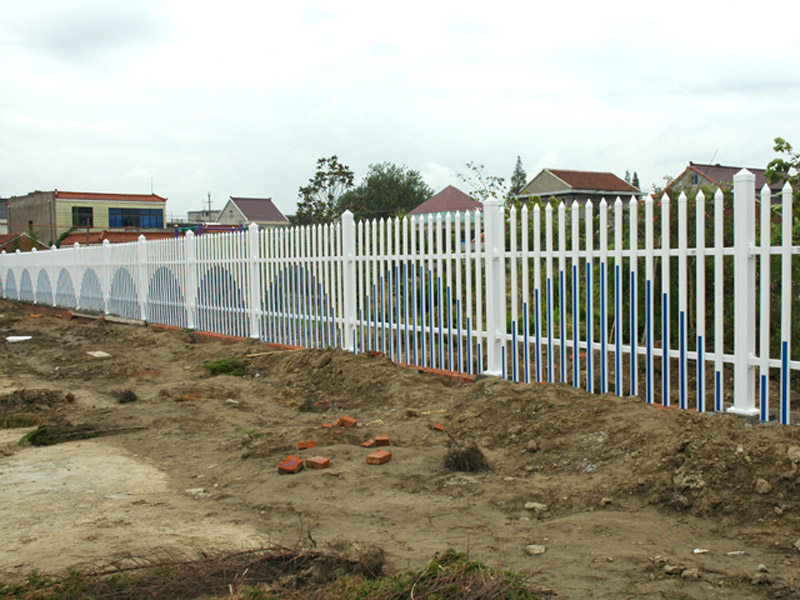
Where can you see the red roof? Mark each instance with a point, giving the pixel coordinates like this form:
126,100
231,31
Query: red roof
108,197
113,237
594,181
450,199
722,176
25,245
259,210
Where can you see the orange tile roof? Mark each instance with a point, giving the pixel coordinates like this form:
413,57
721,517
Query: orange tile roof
108,197
450,199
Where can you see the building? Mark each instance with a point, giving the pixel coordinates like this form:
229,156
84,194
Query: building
718,176
570,186
262,211
203,216
449,200
11,242
3,215
52,214
92,238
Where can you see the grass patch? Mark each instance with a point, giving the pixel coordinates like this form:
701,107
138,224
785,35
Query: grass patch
278,573
21,420
48,435
225,366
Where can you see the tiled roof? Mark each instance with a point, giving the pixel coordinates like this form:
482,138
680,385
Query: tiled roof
259,210
594,181
108,197
722,176
7,242
450,199
113,237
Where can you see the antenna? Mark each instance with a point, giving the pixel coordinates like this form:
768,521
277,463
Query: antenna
711,162
209,204
151,183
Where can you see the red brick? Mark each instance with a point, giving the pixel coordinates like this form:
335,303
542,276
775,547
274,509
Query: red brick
291,465
326,425
438,427
379,457
318,462
368,443
347,421
306,445
382,440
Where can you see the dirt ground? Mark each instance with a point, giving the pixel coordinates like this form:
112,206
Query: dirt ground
627,500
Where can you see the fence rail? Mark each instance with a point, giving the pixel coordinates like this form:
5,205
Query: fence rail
587,295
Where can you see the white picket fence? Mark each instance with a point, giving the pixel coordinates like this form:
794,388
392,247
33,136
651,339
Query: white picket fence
495,293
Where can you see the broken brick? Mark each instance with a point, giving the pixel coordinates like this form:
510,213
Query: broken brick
382,440
368,443
379,457
326,425
318,462
291,465
307,444
347,421
438,427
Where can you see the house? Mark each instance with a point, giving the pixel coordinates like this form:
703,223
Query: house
3,215
449,200
11,242
569,186
262,211
92,238
54,213
203,216
718,176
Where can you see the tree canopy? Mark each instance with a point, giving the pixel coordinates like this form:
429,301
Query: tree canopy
518,179
319,199
387,190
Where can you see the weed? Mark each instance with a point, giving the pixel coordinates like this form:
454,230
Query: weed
225,366
47,435
21,420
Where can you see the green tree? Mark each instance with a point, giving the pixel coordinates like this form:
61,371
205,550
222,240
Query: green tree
318,201
784,168
518,179
33,235
386,191
483,185
635,180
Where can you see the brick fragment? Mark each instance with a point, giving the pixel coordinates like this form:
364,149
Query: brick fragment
368,444
307,444
291,465
382,440
438,427
326,425
318,462
347,421
379,457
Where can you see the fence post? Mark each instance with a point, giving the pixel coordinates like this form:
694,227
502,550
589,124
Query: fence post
494,241
349,289
190,283
253,279
141,259
744,292
106,252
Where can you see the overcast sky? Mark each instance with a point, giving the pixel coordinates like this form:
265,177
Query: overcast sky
240,98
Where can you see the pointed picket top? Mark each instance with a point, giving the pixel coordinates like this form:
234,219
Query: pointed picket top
513,212
665,198
189,234
430,218
34,249
524,210
787,187
76,245
700,196
53,247
603,203
718,195
618,203
536,209
766,193
744,175
491,201
682,198
141,238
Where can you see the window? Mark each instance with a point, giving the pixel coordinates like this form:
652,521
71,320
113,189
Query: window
694,179
143,218
82,216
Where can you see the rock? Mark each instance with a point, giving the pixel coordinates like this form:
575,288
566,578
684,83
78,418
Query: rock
778,510
537,507
532,446
673,569
690,574
535,549
763,568
762,486
760,579
196,492
794,454
605,501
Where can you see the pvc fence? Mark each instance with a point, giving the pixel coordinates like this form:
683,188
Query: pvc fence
587,295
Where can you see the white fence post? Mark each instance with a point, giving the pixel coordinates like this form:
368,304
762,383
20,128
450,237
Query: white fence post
349,284
495,286
254,279
141,259
744,291
106,291
190,290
